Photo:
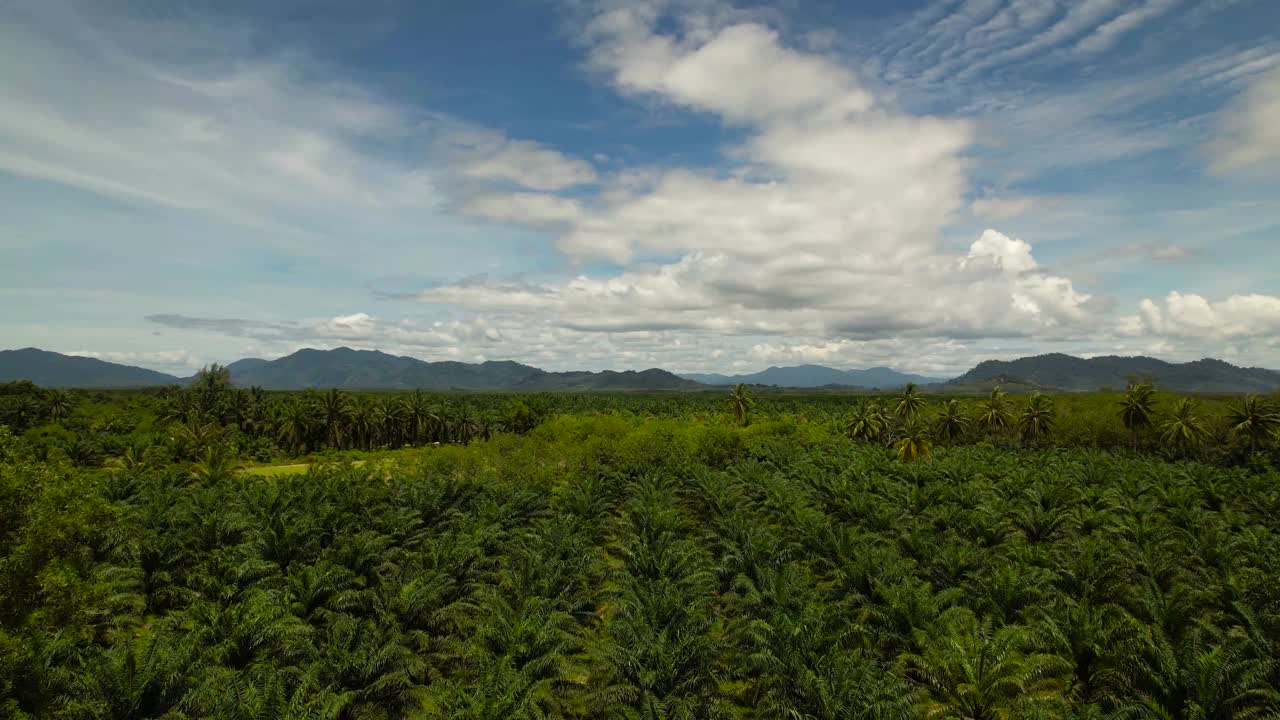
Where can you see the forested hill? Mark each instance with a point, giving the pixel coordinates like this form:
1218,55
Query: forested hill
51,369
1067,372
340,368
812,376
374,370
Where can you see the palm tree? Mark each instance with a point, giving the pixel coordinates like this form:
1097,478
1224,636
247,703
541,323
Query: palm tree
58,405
868,423
1183,428
910,403
336,410
195,435
1254,419
951,422
418,412
210,384
1036,419
1136,408
217,464
741,402
993,413
977,672
362,423
294,425
388,418
914,443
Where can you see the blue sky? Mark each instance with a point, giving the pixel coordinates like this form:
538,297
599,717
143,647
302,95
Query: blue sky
701,185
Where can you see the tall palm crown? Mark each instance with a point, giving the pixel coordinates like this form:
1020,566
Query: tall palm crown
1253,418
336,409
58,405
914,443
741,401
1183,427
993,413
1036,419
1137,406
951,422
868,423
910,402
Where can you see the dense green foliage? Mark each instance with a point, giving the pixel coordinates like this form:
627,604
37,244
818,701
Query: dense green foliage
162,425
623,565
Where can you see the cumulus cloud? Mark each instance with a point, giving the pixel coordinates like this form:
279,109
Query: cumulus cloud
1250,136
825,224
1192,316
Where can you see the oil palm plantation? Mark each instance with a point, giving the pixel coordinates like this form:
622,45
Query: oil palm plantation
976,671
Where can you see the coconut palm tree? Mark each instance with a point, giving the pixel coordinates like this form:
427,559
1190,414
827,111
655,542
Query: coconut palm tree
913,443
1253,418
994,414
1183,427
910,402
1036,419
1137,408
867,424
741,402
951,421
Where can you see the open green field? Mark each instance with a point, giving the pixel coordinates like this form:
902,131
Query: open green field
648,557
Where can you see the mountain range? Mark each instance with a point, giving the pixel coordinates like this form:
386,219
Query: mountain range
812,376
51,369
341,368
1067,372
373,370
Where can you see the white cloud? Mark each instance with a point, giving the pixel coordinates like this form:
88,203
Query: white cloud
175,361
527,164
1251,129
121,108
524,208
1110,32
1008,253
1191,316
827,224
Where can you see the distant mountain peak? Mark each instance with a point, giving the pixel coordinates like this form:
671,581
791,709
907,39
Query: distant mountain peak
1067,372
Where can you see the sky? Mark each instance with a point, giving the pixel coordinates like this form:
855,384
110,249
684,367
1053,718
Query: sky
695,185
